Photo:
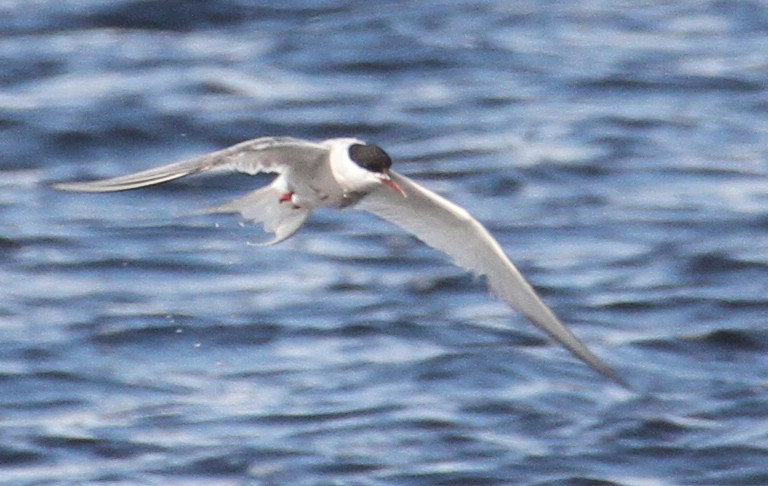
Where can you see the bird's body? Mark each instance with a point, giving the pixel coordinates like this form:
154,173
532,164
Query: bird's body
347,172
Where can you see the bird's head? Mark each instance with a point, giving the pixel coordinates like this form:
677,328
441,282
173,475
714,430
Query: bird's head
361,167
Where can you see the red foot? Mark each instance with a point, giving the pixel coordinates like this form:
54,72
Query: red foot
286,197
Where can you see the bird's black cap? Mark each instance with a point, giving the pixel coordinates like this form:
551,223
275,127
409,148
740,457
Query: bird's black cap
370,157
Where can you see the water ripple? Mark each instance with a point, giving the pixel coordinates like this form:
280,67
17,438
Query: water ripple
617,154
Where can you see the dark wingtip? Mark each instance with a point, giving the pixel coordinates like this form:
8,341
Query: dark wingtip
613,376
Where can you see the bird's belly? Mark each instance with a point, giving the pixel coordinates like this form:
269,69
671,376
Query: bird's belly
310,198
318,190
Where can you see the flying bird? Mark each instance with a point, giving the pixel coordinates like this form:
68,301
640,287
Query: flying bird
347,172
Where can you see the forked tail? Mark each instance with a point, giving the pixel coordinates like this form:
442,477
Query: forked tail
267,206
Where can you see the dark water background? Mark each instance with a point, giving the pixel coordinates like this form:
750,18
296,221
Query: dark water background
618,150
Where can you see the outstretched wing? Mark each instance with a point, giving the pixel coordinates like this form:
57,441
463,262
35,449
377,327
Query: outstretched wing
447,227
267,154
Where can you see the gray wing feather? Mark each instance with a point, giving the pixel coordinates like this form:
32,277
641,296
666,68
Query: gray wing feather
447,227
267,154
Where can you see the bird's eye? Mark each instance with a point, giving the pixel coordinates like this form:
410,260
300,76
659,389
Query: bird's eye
370,157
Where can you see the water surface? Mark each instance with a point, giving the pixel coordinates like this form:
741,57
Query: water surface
617,152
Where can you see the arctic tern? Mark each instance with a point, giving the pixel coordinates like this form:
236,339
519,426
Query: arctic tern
345,172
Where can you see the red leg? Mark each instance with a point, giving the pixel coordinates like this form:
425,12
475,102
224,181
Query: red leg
286,197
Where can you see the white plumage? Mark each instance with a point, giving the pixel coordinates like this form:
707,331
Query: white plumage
344,172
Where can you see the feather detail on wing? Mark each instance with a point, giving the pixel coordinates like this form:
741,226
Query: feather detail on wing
268,154
447,227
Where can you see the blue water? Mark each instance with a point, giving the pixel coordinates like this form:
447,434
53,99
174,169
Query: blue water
618,150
